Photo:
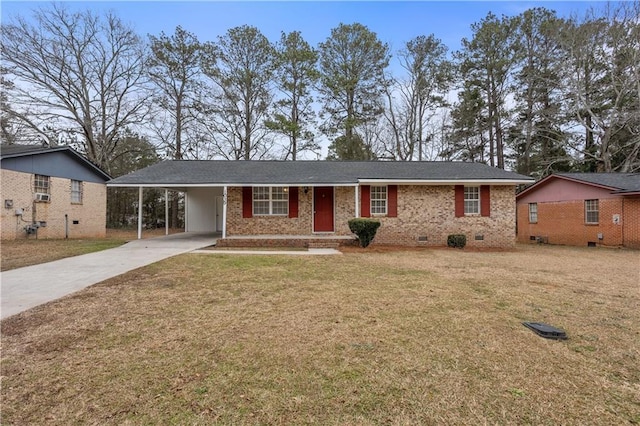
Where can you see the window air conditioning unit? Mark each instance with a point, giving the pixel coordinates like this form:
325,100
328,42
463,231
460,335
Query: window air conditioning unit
42,197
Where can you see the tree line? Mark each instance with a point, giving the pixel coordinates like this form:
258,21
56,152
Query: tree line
535,93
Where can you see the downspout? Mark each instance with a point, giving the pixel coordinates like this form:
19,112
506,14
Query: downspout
140,213
224,212
66,226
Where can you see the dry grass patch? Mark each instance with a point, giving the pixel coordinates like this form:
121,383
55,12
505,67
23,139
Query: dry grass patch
27,252
424,337
21,253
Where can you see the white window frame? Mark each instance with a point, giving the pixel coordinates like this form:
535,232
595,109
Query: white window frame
273,197
42,184
379,200
76,193
471,200
591,207
533,212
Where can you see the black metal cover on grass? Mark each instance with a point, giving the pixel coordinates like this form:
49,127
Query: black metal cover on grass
545,330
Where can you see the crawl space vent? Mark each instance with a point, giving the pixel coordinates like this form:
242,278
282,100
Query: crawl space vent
545,330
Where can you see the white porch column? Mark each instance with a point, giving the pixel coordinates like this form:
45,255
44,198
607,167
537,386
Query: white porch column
140,213
166,212
224,212
186,211
357,191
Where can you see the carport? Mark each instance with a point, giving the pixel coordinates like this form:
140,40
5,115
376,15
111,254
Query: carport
205,207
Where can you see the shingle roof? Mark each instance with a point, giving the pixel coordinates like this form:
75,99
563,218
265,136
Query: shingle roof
617,183
623,182
14,150
200,172
8,151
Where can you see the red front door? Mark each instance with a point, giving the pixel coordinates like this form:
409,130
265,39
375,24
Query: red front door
323,209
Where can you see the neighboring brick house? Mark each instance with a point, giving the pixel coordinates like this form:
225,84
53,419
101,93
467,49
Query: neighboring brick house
581,209
51,193
310,202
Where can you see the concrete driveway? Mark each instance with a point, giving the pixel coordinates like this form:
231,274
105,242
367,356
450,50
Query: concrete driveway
24,288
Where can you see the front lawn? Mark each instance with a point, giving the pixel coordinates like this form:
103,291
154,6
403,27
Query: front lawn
26,252
21,253
407,337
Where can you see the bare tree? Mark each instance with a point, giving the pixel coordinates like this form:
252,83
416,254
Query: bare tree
537,136
414,101
293,114
76,71
352,62
174,66
602,86
10,131
486,62
241,68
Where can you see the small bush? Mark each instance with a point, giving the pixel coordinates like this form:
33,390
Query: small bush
457,240
365,229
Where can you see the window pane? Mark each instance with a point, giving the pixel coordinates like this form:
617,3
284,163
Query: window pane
471,193
378,195
471,200
41,184
270,200
261,193
279,193
533,212
280,207
591,211
76,191
260,207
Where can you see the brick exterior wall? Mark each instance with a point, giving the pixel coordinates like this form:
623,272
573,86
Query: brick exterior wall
283,225
631,223
90,215
428,211
563,222
423,211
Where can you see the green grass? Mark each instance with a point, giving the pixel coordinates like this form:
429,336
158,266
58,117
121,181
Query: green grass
363,339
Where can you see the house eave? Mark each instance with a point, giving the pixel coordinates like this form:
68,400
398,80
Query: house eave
221,185
627,192
443,182
438,182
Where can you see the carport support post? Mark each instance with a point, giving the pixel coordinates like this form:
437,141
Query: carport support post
224,212
140,213
357,203
166,212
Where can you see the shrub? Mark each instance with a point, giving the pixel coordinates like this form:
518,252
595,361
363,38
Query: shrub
457,240
365,230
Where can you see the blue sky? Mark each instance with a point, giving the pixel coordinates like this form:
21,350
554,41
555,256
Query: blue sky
395,22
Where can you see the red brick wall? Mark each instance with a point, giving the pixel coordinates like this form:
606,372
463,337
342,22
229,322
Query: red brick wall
423,211
563,222
631,222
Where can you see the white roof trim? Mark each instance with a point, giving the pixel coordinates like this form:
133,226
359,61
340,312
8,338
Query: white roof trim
445,181
434,182
219,185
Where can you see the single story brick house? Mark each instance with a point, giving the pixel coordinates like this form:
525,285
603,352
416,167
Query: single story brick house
581,209
51,193
309,202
